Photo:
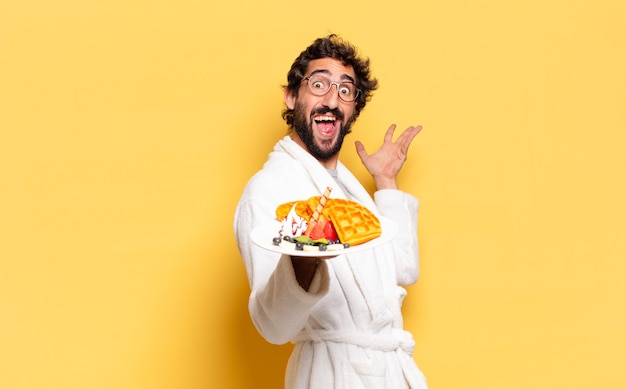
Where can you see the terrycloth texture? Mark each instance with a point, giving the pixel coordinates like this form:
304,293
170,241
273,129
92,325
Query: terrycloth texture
347,328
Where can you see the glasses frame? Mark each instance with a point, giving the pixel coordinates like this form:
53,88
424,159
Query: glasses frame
356,95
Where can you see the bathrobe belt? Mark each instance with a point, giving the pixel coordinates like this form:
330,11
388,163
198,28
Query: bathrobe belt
399,341
387,341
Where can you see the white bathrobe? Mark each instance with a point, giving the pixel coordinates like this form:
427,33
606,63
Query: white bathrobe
347,328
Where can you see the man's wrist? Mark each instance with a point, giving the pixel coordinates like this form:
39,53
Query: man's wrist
305,268
385,183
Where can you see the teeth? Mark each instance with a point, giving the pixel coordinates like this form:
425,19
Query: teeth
324,119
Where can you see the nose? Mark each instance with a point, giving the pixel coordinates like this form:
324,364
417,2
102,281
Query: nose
331,98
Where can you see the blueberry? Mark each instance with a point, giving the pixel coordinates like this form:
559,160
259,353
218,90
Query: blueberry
276,241
299,246
322,247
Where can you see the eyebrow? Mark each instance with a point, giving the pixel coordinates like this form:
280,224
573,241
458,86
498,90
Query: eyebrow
327,72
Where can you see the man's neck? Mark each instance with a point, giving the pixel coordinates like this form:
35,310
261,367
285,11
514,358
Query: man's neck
330,163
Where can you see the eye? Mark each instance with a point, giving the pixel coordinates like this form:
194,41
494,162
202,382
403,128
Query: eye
319,84
346,89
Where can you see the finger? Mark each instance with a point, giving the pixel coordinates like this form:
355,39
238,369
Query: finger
360,150
389,133
405,139
407,136
410,132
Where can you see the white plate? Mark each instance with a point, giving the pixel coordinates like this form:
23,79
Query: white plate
263,235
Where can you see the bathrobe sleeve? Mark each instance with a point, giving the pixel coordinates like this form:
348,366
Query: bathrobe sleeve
402,209
278,305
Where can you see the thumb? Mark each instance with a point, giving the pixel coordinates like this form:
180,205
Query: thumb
360,150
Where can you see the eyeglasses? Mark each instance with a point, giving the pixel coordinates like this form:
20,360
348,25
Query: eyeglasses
320,85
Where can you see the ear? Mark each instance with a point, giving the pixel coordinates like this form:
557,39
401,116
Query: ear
290,99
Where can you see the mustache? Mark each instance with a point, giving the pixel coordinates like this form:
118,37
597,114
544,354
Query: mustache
322,110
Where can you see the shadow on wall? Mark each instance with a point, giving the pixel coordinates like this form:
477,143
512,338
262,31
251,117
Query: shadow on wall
259,364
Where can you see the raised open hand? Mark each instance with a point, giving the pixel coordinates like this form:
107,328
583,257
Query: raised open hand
385,164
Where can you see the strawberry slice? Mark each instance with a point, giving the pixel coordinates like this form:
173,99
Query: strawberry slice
329,231
318,230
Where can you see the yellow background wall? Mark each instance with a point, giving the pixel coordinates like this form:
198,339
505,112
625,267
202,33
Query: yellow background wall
129,128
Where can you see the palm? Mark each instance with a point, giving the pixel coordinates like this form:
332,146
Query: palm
387,161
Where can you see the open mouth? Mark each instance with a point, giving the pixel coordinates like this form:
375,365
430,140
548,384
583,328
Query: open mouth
325,123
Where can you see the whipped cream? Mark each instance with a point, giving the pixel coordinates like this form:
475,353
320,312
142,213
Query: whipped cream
292,224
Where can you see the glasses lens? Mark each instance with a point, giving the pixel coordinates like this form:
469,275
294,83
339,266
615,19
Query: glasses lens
319,86
347,91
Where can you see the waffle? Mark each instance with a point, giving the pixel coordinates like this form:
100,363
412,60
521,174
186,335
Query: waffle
302,210
354,223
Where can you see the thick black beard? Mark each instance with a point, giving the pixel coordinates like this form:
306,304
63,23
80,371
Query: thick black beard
304,129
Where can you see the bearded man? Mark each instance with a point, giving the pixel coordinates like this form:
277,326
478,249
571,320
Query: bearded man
342,313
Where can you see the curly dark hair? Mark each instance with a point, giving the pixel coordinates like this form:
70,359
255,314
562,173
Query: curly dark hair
332,46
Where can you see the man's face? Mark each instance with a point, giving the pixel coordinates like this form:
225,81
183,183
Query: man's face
322,122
